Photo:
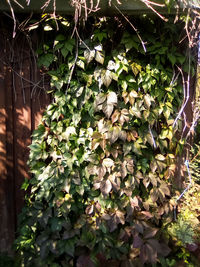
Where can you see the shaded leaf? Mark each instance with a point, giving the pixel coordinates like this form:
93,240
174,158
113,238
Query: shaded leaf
150,232
154,195
100,99
123,135
84,261
105,187
114,134
120,217
101,171
137,241
123,170
148,253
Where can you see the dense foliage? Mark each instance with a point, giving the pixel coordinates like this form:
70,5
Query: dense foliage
103,158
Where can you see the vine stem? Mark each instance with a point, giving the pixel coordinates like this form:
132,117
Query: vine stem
142,42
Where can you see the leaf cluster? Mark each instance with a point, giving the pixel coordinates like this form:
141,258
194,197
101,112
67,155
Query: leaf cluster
103,158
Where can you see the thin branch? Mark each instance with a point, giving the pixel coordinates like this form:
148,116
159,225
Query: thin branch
147,3
73,67
46,4
14,19
142,42
154,3
18,4
185,100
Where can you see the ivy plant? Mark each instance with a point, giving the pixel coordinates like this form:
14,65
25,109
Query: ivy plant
103,158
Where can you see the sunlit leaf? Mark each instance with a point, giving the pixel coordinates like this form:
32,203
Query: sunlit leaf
136,68
99,57
89,55
107,109
107,162
112,98
160,157
106,78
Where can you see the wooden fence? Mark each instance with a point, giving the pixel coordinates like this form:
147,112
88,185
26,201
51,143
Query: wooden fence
22,101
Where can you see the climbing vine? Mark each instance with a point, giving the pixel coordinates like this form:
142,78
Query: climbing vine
103,158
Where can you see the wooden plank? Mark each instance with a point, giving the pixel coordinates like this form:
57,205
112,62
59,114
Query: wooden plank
4,229
22,125
9,182
65,7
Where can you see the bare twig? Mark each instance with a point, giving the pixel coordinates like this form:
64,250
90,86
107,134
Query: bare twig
18,4
46,4
73,66
54,14
13,16
186,97
142,42
148,4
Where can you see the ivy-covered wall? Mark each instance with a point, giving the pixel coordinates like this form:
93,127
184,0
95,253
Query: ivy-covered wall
103,158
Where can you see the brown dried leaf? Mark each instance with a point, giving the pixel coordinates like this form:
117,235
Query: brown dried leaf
101,171
150,232
154,195
105,187
123,170
125,96
115,116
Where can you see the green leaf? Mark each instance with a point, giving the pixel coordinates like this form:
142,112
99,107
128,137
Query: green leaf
172,58
46,60
64,51
60,37
56,224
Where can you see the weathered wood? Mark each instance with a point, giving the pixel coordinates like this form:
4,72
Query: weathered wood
106,7
10,182
5,240
22,125
19,115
